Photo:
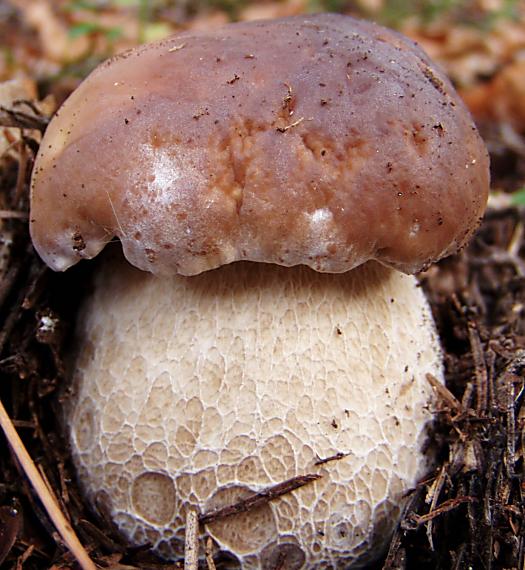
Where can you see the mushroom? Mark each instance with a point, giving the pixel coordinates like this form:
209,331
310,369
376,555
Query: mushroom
317,141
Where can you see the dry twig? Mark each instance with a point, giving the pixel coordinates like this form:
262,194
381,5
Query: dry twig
191,543
414,520
21,120
433,497
335,457
257,499
13,215
208,553
55,514
446,396
480,369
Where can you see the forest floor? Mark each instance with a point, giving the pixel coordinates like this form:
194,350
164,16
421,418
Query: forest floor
469,513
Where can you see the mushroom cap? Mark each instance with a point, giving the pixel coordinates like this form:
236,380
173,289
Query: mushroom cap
318,140
194,392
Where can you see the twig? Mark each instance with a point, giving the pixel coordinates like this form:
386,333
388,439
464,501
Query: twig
287,101
24,424
55,514
63,485
21,120
176,48
433,497
257,499
22,170
480,368
414,520
13,215
26,554
506,384
499,257
27,103
191,543
516,241
445,394
291,125
54,497
208,553
334,457
483,525
466,399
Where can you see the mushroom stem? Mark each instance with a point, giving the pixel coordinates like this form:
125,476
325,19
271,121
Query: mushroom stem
206,393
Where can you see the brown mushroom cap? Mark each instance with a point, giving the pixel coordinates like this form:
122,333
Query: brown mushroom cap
317,140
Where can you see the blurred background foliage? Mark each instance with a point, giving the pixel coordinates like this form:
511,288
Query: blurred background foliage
59,33
480,43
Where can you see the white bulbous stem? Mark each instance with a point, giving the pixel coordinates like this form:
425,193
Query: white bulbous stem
193,392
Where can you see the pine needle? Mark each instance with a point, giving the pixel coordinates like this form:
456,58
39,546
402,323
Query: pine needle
55,514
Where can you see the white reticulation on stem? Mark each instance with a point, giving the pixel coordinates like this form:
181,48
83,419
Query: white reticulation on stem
192,392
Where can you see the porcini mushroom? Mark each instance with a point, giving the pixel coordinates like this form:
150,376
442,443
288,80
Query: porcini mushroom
321,141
